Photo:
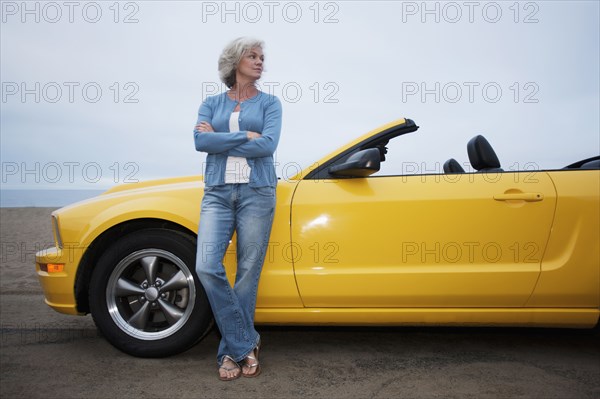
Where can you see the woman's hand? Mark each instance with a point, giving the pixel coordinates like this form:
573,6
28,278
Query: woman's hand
253,135
204,127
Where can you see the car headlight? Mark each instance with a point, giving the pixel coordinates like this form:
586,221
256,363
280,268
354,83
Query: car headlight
56,231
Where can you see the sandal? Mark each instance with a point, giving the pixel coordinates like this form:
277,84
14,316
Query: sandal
253,363
228,369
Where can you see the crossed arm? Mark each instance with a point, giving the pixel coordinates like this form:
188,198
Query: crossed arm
245,144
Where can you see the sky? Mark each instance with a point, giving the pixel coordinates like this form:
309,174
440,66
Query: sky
102,93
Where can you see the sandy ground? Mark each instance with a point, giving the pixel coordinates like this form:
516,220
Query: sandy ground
46,354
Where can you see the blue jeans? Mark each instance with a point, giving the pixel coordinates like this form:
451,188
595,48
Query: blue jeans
249,211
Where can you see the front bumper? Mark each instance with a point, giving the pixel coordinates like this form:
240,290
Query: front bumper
59,286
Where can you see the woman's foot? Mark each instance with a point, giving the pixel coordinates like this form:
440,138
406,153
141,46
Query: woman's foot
251,366
229,369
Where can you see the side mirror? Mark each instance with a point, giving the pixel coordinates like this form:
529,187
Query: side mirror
362,164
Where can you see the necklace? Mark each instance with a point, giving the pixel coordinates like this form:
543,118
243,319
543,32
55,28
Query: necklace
234,95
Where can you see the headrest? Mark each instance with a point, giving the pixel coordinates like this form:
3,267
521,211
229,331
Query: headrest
481,154
452,166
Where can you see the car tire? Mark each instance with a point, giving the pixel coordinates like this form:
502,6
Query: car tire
145,296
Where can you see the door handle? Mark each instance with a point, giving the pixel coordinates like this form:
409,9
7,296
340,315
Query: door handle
529,197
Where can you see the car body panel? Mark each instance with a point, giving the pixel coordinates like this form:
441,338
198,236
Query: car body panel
420,241
570,270
58,288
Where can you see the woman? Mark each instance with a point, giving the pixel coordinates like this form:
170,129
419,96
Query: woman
239,129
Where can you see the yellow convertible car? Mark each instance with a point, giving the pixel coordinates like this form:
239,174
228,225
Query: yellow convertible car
349,246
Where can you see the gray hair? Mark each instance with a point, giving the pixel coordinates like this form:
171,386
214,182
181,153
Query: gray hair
231,56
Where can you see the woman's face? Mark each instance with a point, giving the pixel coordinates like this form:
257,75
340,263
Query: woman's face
251,64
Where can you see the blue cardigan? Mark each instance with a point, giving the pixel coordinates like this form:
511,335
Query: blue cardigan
261,114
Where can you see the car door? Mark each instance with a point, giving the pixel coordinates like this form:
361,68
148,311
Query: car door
466,240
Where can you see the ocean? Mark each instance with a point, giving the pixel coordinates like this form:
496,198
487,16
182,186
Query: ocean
13,198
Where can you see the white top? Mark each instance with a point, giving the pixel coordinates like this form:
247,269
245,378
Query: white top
237,169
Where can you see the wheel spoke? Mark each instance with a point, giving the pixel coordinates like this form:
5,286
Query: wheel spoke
176,282
172,313
150,265
127,288
140,318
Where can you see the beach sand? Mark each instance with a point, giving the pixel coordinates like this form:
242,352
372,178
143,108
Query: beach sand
23,232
